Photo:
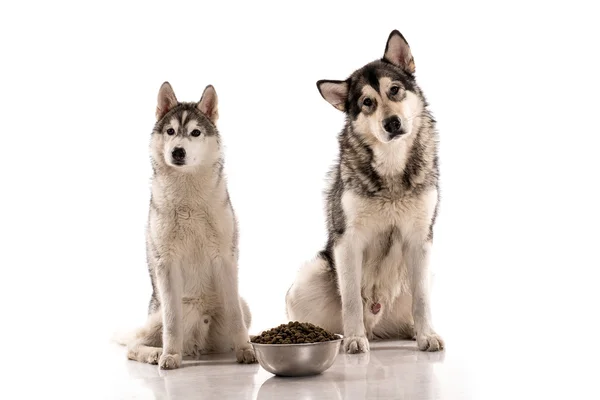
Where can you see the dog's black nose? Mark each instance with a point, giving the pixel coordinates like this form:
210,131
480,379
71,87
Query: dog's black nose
178,154
392,125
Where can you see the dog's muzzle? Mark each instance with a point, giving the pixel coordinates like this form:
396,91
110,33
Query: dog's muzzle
178,155
393,126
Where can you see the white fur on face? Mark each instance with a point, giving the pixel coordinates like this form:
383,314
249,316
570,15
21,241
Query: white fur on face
201,150
407,110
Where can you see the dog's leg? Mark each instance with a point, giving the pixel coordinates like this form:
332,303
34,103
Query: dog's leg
418,264
146,345
234,314
348,258
170,289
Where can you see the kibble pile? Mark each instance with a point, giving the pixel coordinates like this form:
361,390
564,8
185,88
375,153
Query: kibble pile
293,333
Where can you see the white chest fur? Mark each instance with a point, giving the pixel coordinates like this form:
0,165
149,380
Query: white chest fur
387,229
195,229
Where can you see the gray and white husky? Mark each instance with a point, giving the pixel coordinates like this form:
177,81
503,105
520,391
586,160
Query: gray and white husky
191,241
372,278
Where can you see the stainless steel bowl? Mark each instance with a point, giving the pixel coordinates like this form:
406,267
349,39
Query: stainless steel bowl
300,359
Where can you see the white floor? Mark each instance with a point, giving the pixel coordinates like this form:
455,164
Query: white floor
391,370
483,361
516,346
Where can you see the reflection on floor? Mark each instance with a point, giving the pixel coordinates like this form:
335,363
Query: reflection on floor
393,369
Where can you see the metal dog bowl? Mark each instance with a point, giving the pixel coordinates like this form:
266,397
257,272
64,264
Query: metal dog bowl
300,359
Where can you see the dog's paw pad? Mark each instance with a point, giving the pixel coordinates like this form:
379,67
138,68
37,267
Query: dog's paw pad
356,344
170,361
245,355
430,342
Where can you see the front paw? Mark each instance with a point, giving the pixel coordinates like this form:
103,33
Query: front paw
245,354
169,361
356,344
430,342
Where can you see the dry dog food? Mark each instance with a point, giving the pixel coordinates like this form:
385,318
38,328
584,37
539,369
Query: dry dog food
293,333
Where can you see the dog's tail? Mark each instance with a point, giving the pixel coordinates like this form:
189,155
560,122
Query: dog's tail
313,289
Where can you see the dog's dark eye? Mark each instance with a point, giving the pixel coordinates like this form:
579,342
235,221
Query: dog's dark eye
394,90
170,131
367,102
195,133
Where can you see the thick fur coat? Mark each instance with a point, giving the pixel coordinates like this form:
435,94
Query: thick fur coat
372,278
192,241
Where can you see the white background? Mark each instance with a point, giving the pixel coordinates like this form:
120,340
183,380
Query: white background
514,87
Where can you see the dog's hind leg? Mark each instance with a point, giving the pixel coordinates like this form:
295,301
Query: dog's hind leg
314,297
147,345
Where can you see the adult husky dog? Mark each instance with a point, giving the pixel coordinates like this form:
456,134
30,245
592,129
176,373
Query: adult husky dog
371,280
191,241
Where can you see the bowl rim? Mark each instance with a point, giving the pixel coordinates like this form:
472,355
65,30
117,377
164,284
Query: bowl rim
339,339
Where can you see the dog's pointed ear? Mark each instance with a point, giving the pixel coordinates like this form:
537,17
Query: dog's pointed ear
335,92
398,52
208,104
166,100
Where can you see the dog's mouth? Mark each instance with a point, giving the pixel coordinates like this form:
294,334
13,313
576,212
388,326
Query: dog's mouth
396,135
178,163
390,138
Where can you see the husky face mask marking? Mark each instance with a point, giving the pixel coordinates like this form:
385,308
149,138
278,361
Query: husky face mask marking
381,99
185,135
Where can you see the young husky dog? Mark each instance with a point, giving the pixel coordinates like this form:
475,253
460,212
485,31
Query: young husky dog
371,280
191,241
